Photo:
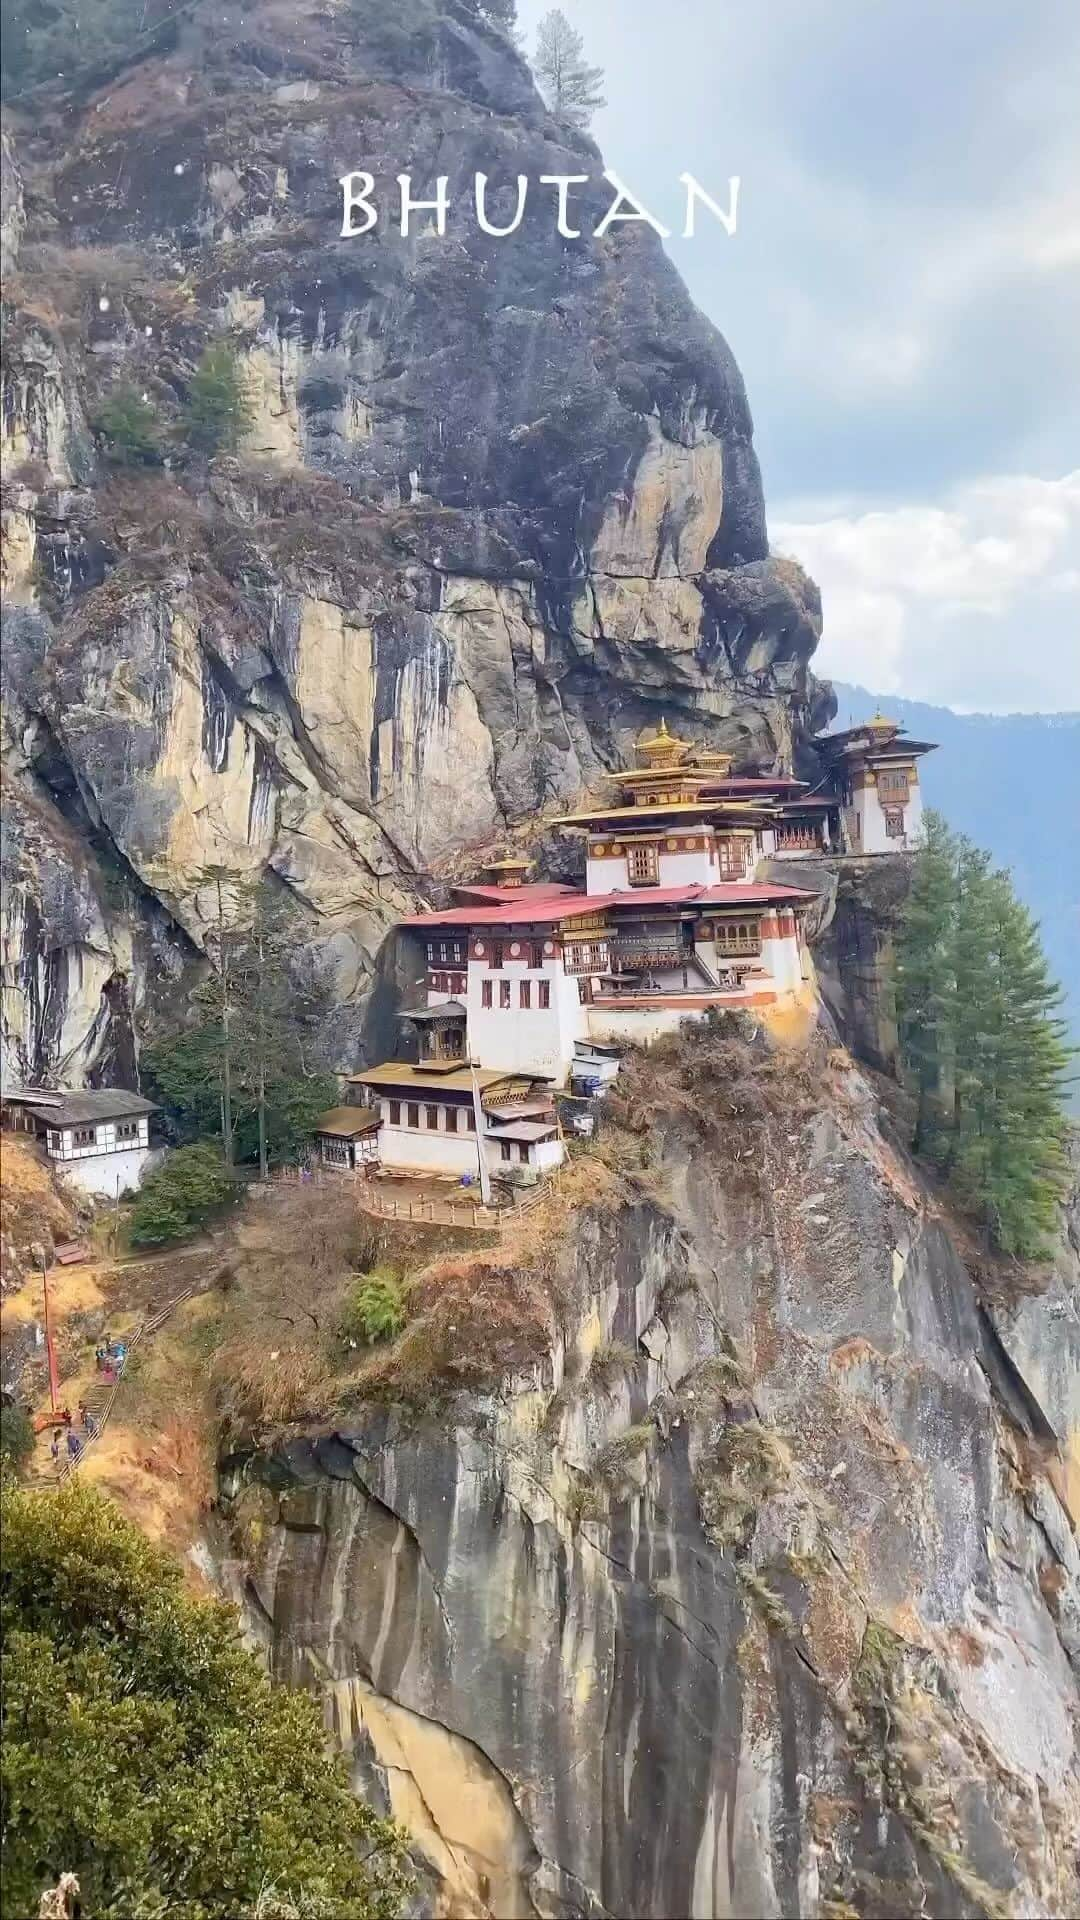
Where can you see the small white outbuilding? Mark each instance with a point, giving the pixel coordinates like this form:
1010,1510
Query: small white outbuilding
98,1139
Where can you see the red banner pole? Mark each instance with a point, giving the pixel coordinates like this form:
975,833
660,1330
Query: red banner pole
54,1384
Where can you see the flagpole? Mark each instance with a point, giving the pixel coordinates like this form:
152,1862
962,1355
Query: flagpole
478,1121
50,1349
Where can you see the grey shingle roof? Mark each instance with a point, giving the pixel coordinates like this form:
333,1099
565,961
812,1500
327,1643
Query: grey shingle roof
83,1109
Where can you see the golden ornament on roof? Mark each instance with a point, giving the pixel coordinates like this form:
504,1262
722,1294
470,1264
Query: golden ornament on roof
661,749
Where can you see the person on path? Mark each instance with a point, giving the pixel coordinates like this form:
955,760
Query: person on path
82,1413
55,1448
99,1357
90,1424
74,1445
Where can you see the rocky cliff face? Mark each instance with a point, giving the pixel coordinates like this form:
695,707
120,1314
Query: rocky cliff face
497,508
756,1592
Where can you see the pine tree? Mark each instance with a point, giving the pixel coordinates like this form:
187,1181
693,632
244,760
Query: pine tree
128,424
1024,1167
977,1016
924,981
218,411
568,84
981,1042
249,1068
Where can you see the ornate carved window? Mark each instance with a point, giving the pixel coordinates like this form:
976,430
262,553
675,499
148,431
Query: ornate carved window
894,785
642,865
731,857
738,937
894,823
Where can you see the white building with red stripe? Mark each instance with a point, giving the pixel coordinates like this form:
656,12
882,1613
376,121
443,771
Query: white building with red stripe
543,970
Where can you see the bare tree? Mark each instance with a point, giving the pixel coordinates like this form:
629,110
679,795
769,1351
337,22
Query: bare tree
569,85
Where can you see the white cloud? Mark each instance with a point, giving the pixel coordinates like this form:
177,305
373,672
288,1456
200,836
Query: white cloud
973,603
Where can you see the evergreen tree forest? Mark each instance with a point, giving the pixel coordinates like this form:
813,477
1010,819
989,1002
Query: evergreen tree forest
246,1068
981,1043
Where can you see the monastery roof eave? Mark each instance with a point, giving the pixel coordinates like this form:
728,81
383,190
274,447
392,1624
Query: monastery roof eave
347,1122
735,893
417,1079
699,810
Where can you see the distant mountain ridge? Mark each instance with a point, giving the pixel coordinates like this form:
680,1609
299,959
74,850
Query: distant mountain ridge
1011,782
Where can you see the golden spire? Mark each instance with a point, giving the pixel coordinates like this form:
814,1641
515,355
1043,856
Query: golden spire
880,724
661,749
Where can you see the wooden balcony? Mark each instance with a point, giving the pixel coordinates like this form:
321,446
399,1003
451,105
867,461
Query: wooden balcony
630,956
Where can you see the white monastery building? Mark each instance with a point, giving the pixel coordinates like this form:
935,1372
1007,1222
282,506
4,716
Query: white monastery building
875,773
98,1140
533,986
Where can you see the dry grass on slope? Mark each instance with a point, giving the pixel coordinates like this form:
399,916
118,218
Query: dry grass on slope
476,1318
296,1251
33,1208
726,1087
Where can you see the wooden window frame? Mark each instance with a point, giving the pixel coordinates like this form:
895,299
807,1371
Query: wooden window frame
395,1113
487,994
545,995
504,995
412,1114
525,994
431,1117
643,864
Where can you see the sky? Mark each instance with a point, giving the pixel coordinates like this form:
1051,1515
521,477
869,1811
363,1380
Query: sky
902,296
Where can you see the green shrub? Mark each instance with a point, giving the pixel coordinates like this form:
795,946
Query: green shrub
147,1753
16,1437
128,425
375,1308
218,411
181,1195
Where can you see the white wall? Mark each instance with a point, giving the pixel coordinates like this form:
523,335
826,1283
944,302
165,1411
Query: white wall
871,814
688,869
606,876
639,1025
104,1141
549,1154
426,1151
107,1174
526,1040
695,869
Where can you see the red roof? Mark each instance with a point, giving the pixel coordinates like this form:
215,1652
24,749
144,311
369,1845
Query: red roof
568,906
534,890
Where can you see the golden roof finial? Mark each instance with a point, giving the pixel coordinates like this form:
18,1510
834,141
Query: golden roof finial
661,748
880,723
